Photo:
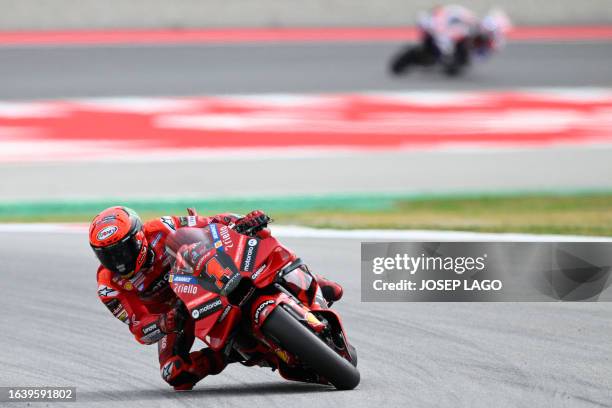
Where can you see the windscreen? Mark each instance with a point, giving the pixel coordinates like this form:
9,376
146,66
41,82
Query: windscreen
190,246
188,238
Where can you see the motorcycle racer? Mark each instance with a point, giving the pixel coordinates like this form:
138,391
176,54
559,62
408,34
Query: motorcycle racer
450,35
133,284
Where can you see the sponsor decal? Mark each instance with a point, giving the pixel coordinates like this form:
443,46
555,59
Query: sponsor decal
310,318
258,272
216,269
226,237
214,232
151,333
182,221
250,253
149,328
182,279
261,307
138,278
225,313
283,355
142,256
232,282
128,286
166,370
187,289
156,239
191,221
116,308
163,343
106,220
107,232
205,309
169,222
106,291
120,311
216,238
153,337
124,317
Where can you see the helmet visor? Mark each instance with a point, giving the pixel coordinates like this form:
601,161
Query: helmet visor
120,257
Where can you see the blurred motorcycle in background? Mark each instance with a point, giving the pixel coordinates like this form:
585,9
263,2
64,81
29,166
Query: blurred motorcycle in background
450,37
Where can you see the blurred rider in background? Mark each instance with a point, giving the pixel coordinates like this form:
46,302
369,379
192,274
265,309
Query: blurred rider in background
450,36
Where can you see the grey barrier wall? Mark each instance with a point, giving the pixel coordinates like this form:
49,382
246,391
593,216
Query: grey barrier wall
103,14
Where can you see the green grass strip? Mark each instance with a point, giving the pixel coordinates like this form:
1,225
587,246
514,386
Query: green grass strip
349,202
582,213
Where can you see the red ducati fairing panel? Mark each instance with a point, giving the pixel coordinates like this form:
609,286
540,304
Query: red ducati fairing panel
210,264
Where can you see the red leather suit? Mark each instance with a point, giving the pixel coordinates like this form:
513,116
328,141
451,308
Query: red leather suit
140,301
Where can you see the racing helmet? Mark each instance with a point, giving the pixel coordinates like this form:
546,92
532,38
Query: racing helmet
492,30
117,237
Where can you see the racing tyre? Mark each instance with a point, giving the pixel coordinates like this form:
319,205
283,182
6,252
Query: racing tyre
401,62
459,61
298,340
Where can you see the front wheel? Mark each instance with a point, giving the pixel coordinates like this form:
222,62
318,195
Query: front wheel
292,336
402,62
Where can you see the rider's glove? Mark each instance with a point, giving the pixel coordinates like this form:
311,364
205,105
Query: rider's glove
168,322
252,223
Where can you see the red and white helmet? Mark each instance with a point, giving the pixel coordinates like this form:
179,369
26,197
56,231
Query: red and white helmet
117,237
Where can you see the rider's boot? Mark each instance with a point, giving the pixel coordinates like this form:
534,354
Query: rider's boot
332,291
204,362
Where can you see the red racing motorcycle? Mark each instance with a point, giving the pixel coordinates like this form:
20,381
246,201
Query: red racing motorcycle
254,300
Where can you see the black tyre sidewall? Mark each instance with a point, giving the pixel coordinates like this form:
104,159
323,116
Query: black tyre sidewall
301,342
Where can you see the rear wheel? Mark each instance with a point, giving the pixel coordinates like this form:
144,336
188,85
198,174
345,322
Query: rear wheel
295,338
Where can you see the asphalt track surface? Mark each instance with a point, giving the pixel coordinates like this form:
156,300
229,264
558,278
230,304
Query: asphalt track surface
76,71
56,332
